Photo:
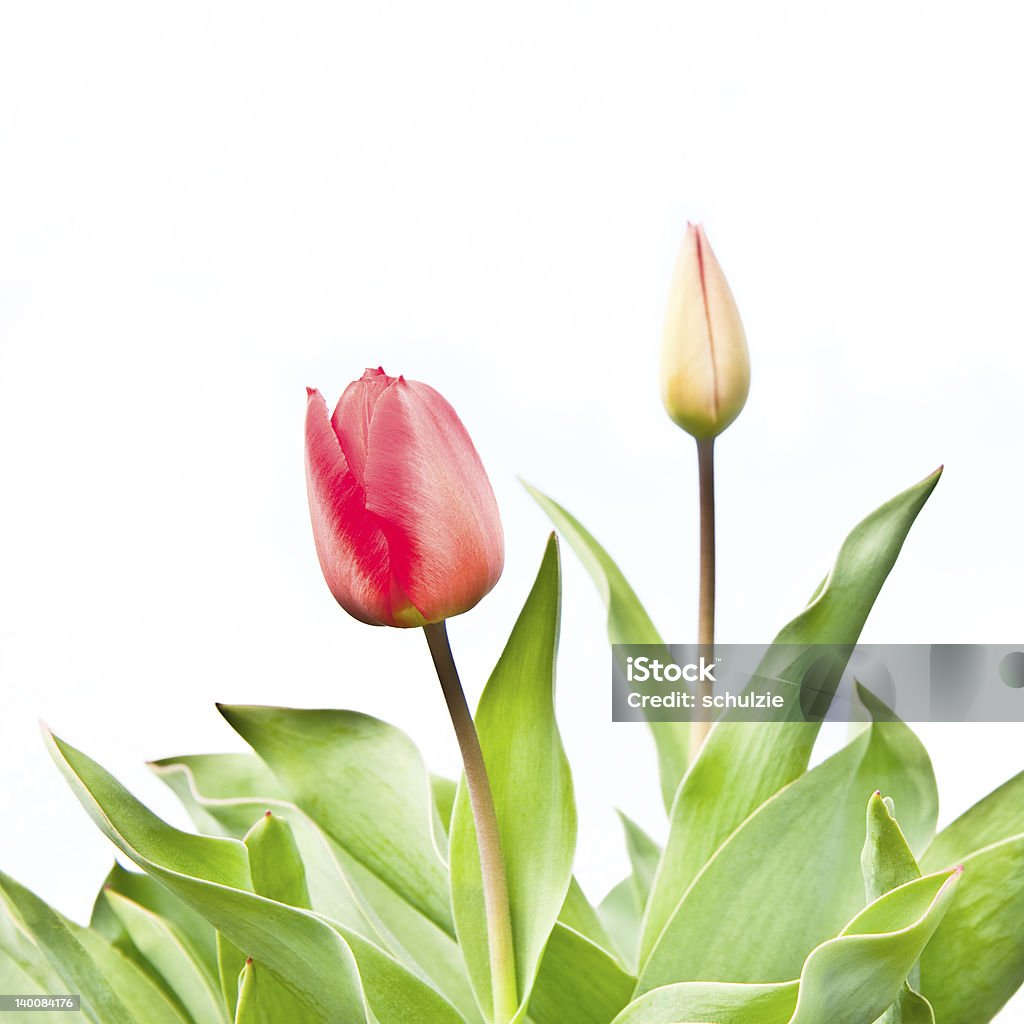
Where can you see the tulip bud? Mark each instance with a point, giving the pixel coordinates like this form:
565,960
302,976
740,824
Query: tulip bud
404,519
705,368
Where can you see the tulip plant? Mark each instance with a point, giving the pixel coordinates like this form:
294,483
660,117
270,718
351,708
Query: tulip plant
332,879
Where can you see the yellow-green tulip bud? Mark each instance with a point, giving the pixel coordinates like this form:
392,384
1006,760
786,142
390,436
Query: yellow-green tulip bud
705,366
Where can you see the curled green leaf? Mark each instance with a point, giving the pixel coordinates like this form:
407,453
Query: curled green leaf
850,979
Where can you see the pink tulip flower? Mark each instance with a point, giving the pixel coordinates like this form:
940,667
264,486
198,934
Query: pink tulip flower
404,519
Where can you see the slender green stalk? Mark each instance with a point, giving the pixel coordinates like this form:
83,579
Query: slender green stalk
481,800
701,724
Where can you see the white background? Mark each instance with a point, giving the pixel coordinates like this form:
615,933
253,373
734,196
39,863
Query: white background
206,207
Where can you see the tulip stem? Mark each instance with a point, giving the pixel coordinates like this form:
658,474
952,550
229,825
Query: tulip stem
481,800
701,724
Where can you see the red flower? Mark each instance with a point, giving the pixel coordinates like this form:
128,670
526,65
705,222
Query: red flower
405,522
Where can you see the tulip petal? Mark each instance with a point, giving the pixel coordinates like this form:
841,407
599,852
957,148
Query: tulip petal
351,419
727,338
689,360
350,543
425,480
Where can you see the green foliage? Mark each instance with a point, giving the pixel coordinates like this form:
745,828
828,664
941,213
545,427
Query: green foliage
887,863
332,878
113,988
976,961
628,623
850,979
380,807
743,764
810,833
532,789
578,982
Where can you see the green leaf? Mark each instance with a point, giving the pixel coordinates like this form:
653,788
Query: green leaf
628,623
743,764
209,785
279,874
113,989
723,1003
340,887
395,994
413,939
533,796
621,911
790,876
191,930
321,961
581,916
578,982
910,1007
364,783
227,803
850,979
887,863
644,856
183,979
212,876
974,963
621,914
886,860
854,978
263,1000
275,862
231,962
18,951
444,798
998,816
14,981
24,969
